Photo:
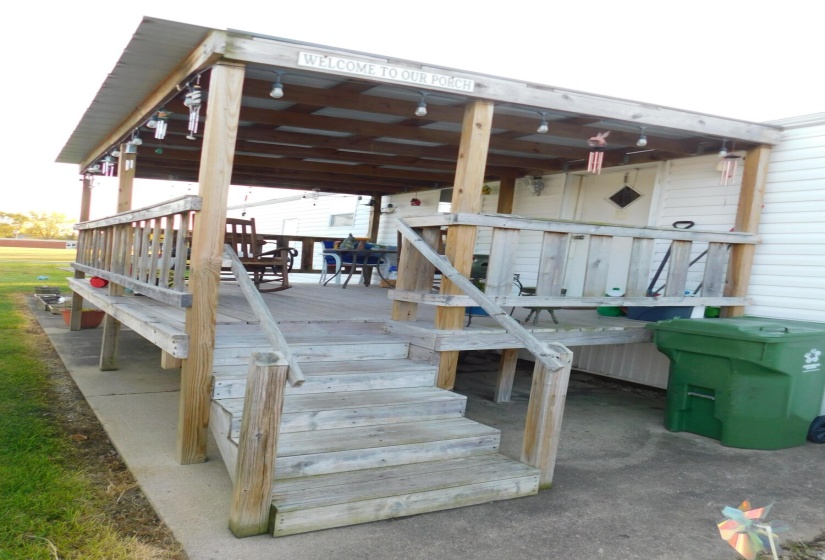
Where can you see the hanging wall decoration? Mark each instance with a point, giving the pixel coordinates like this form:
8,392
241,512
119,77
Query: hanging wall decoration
597,144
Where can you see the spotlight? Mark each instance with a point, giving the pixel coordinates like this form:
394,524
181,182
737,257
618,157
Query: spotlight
543,128
277,91
421,110
642,141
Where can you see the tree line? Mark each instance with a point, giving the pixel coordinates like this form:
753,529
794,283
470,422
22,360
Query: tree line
36,225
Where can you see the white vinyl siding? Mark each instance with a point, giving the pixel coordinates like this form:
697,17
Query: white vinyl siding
788,275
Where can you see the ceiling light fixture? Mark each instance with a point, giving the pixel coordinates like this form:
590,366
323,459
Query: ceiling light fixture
277,91
421,110
724,151
536,185
642,141
543,128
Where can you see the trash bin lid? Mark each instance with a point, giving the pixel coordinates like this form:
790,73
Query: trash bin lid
745,328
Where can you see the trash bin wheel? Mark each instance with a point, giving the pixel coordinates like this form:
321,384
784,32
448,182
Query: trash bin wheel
816,433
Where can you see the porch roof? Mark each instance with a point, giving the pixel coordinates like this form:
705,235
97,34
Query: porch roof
347,123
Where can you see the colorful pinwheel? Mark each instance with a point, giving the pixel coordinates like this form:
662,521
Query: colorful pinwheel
746,530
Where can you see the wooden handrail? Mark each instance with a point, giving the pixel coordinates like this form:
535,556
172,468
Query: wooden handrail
187,203
551,374
267,321
553,355
581,228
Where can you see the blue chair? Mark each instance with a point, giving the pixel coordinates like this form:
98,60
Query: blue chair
331,264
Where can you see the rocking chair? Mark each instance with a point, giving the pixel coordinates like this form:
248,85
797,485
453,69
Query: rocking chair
264,267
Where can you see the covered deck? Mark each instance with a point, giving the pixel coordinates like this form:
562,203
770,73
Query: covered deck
283,114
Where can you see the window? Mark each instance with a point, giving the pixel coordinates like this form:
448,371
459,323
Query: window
341,220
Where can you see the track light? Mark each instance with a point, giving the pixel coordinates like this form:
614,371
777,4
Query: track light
277,91
421,110
543,128
642,141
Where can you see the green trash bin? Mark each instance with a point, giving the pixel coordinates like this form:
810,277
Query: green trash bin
749,382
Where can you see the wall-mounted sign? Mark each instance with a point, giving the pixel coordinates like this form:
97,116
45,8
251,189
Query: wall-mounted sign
385,72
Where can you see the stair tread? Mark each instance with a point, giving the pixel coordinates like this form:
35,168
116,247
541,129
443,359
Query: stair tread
335,368
368,484
300,402
379,436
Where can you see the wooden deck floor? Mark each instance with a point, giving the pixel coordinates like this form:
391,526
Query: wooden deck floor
308,301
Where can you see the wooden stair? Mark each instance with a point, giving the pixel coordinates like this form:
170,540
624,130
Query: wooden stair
367,437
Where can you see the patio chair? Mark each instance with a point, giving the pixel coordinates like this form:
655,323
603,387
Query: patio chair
331,264
269,267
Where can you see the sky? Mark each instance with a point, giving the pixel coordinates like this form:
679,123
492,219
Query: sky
749,60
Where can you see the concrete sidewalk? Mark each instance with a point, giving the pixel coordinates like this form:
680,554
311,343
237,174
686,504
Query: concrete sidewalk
624,486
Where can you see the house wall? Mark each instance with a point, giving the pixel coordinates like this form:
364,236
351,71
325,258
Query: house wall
689,190
788,275
306,214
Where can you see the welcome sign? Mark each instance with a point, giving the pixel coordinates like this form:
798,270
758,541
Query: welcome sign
385,72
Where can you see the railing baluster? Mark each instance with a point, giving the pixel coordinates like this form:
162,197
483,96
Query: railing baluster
598,261
181,251
713,282
638,274
677,269
502,262
552,263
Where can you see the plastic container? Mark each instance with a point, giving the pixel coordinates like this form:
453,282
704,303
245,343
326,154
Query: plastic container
609,310
748,382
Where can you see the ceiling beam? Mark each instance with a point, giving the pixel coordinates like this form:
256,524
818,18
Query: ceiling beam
285,55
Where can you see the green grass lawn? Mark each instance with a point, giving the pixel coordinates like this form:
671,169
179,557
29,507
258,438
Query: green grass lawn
48,507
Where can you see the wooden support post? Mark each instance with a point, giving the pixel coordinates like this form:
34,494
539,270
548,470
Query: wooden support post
111,326
257,445
415,273
220,132
506,191
748,215
544,414
506,374
125,179
77,299
375,217
461,240
168,361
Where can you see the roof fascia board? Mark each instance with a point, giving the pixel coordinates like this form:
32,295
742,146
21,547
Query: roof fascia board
283,54
207,53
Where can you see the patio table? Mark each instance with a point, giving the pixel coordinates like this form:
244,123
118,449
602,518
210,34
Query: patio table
367,259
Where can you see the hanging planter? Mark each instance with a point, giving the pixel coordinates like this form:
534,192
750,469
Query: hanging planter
89,318
415,202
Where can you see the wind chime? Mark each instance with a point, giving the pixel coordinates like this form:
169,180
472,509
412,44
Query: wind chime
161,122
109,164
727,165
193,100
597,144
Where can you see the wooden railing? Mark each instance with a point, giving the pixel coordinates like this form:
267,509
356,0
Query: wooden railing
553,261
305,244
263,406
419,260
144,250
551,374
